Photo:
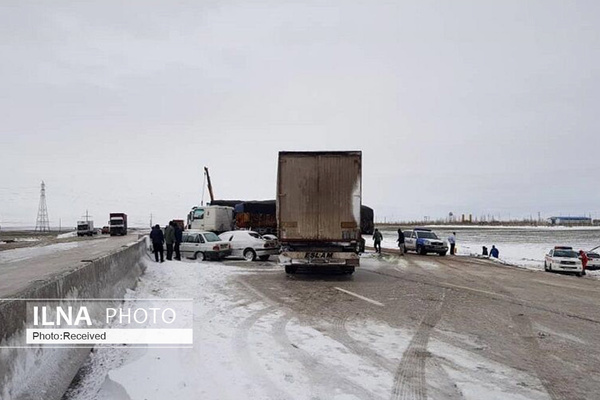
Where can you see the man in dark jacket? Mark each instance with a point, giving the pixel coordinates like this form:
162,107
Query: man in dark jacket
400,241
178,239
157,238
377,238
170,240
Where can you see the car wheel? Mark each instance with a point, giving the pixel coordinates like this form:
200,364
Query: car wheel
421,250
550,267
199,256
249,255
264,258
579,274
442,253
348,270
545,266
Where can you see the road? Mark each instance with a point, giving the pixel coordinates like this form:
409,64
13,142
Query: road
20,268
413,327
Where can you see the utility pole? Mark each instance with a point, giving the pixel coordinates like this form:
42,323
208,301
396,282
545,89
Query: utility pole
150,220
42,223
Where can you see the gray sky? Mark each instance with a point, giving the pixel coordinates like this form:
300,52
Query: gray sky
483,107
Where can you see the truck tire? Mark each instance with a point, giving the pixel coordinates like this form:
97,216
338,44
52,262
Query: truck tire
290,269
264,258
249,255
199,256
348,270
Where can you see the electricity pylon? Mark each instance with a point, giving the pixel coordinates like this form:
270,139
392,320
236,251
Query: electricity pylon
42,224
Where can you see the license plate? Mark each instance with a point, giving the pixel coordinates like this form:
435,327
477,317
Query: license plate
318,255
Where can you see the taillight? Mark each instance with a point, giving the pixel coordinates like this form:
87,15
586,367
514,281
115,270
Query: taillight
266,245
216,247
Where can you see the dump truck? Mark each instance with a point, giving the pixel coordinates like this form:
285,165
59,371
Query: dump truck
319,209
118,224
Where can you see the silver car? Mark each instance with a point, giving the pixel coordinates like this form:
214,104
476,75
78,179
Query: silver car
203,245
250,245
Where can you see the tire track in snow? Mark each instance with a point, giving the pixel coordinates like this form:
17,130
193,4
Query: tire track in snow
251,365
410,381
538,362
318,371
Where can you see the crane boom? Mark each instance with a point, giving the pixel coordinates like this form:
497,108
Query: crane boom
210,190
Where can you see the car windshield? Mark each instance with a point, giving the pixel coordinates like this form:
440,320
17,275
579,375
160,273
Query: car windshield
211,237
426,235
565,253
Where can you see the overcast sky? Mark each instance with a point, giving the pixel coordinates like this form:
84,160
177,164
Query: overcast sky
482,107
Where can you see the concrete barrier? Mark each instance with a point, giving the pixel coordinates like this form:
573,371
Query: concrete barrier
43,373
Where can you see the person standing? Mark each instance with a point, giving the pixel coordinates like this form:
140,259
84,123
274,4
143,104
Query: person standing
584,261
400,241
452,241
169,240
377,237
158,239
178,240
494,252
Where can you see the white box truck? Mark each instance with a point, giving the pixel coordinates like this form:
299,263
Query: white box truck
85,228
318,209
216,219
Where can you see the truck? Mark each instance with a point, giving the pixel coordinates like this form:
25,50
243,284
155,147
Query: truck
319,209
118,224
217,219
85,228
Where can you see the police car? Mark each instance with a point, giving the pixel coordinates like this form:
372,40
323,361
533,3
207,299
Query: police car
563,259
424,241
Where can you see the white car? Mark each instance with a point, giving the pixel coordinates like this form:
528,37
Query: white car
203,245
563,259
593,260
424,241
250,245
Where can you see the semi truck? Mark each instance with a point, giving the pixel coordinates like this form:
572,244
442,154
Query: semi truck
118,224
216,219
85,228
319,209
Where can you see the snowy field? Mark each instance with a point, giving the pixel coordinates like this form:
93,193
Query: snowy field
523,247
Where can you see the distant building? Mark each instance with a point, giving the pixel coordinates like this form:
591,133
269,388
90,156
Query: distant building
570,220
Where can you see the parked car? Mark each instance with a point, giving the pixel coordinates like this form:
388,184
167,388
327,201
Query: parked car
203,245
424,241
250,245
563,259
106,230
593,260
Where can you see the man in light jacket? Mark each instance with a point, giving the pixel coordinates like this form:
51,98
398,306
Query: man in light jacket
170,239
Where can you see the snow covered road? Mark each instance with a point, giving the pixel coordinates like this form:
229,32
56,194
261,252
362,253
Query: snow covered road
408,328
21,267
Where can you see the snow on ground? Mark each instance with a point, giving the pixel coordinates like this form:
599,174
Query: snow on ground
246,347
67,235
26,253
519,246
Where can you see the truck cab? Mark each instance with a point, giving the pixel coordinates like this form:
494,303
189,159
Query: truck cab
85,228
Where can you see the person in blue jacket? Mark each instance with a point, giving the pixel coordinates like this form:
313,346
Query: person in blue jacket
494,252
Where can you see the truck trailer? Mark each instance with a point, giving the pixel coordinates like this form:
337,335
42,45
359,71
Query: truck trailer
319,209
118,224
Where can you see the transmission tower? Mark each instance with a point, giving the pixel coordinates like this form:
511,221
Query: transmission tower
42,224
